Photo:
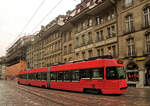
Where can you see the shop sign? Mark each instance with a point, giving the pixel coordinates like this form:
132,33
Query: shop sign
140,59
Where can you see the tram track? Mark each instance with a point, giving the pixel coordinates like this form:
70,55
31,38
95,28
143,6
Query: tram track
65,98
80,99
58,99
39,95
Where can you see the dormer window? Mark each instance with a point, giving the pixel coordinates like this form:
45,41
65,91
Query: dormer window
128,3
90,22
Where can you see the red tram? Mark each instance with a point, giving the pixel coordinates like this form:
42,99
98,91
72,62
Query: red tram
105,75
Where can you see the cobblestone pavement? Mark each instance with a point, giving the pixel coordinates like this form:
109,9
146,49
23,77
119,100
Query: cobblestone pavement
12,94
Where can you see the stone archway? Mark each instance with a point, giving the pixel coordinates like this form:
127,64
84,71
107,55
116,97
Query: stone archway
132,71
147,74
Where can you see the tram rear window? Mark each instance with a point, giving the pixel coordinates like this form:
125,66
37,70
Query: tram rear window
115,73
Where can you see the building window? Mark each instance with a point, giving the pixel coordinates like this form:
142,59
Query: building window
90,37
77,56
99,35
129,23
83,25
70,48
113,15
58,45
102,52
109,50
98,52
108,17
101,20
131,47
113,31
148,43
65,50
77,42
90,53
89,22
83,39
147,16
108,33
128,3
65,60
97,20
70,36
114,51
83,55
65,37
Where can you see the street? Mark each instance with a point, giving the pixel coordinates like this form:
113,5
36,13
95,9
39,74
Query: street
12,94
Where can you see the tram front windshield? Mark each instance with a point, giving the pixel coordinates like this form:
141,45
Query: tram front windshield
115,73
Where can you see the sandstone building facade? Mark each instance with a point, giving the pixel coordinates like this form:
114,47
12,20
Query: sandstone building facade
120,28
134,39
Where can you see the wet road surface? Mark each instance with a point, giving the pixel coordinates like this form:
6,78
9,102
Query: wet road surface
12,94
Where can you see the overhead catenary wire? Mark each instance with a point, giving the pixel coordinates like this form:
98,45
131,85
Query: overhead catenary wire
46,15
28,22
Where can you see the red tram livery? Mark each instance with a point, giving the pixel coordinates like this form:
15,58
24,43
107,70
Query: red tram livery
104,75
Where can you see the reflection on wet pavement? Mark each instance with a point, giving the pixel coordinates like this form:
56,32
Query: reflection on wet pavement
11,95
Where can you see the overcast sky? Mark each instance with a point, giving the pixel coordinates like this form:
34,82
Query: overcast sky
14,15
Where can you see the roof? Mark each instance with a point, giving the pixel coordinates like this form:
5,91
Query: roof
86,65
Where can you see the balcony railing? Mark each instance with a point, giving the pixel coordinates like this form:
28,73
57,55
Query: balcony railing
145,26
132,55
129,30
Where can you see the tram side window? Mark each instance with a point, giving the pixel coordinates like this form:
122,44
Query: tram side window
23,76
38,76
75,75
98,73
85,73
34,76
44,76
60,76
67,76
30,76
53,76
111,73
20,76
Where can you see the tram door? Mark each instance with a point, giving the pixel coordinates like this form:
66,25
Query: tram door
48,78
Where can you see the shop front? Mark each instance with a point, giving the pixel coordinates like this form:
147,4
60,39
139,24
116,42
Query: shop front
132,73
